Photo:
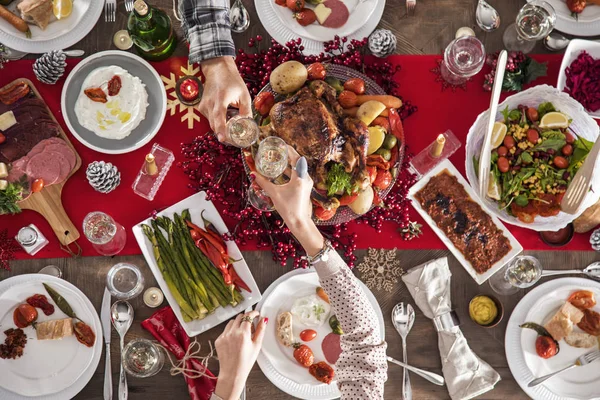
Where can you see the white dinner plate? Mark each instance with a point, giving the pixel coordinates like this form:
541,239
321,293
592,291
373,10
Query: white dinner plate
282,32
58,35
51,369
586,24
516,247
539,306
196,204
275,360
360,12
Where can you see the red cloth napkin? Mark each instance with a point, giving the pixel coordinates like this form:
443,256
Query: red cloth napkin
165,327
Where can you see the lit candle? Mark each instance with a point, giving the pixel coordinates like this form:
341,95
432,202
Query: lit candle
122,40
153,297
189,90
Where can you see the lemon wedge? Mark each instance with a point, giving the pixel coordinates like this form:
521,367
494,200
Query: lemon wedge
498,134
493,191
376,138
62,8
554,120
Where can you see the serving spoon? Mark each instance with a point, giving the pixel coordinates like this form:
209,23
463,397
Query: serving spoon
592,271
121,315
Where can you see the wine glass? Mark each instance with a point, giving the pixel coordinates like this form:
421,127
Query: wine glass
534,22
463,58
242,132
271,161
521,273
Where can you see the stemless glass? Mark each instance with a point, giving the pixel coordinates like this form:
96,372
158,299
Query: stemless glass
534,22
521,273
271,161
463,58
142,358
125,281
107,236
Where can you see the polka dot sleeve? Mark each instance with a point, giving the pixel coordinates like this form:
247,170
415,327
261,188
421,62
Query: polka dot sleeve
361,370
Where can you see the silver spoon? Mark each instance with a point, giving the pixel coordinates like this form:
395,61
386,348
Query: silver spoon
592,271
121,315
403,317
487,17
239,17
556,41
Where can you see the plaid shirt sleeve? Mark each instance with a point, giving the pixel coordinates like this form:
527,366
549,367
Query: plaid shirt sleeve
207,28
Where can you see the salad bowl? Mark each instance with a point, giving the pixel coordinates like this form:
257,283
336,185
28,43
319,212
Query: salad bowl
582,125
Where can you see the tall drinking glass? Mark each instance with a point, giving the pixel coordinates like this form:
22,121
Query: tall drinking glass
521,273
534,22
106,236
463,58
271,161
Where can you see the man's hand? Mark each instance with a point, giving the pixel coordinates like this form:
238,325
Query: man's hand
223,87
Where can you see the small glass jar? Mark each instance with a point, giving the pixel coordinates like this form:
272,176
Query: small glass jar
142,358
125,281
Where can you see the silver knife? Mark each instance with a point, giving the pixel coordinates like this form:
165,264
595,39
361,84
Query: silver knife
106,331
486,149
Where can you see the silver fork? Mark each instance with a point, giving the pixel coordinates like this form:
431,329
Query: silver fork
582,180
583,360
110,10
129,5
410,6
403,318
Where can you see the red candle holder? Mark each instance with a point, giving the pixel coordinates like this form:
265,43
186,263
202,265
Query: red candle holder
189,90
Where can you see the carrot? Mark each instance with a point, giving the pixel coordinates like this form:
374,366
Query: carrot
15,21
352,112
389,101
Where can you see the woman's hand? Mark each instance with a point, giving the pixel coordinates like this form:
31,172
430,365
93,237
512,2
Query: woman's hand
237,349
223,87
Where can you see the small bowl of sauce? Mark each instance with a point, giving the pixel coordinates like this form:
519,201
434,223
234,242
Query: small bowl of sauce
560,238
486,311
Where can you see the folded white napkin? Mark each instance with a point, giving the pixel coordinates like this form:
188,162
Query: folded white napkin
466,375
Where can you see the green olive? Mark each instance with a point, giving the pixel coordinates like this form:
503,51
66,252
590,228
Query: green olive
390,141
385,153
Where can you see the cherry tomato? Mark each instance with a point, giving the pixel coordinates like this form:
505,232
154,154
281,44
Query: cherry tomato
569,138
307,335
509,142
533,135
2,138
382,122
24,315
347,99
582,299
355,85
576,6
347,199
372,174
324,214
295,5
304,355
590,322
503,164
545,347
561,162
316,71
84,334
567,150
280,2
305,17
383,179
502,151
264,102
321,293
532,114
37,185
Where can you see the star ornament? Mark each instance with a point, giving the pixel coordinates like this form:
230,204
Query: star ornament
380,269
191,114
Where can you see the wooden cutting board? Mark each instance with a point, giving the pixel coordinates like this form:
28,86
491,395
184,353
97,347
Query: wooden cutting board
48,202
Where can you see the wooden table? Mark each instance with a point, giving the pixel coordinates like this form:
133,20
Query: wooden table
428,31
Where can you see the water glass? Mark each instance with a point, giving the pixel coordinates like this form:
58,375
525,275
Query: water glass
242,132
125,281
106,236
521,273
534,22
142,358
463,58
271,161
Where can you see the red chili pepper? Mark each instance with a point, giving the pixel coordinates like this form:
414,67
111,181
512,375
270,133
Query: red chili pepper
215,258
237,281
396,124
218,243
210,228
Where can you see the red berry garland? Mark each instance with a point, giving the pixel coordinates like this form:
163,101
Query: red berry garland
8,246
218,169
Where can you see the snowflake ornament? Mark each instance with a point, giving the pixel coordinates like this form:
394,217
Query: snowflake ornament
191,114
380,269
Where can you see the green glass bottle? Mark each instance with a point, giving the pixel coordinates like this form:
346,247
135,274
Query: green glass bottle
151,32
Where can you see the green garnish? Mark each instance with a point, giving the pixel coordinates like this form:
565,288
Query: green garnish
338,180
545,108
10,197
319,310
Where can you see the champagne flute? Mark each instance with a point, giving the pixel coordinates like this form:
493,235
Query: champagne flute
242,132
271,161
534,22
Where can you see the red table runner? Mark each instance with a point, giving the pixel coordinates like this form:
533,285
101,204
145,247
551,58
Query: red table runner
438,111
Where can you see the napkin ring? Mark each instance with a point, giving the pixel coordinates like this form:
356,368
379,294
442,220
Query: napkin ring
446,322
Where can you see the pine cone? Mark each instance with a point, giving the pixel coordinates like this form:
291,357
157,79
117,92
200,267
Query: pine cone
103,177
595,240
382,43
50,67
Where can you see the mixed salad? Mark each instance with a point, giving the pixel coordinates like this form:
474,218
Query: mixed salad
534,158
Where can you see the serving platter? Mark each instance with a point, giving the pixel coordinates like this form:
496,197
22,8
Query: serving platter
276,361
58,35
516,247
539,305
48,370
586,24
155,112
196,203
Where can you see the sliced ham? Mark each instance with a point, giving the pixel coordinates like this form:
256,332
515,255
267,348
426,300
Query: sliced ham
65,167
44,166
331,347
65,150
